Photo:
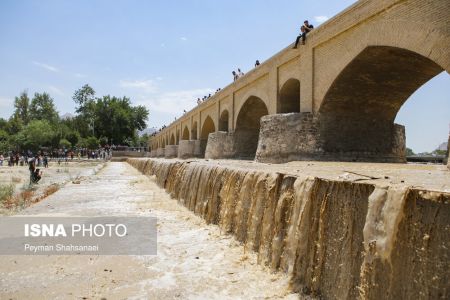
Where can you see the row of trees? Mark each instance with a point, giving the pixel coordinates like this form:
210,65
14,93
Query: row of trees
35,123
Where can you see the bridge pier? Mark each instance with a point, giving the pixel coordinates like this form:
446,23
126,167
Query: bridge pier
160,152
296,136
189,148
448,152
220,144
171,151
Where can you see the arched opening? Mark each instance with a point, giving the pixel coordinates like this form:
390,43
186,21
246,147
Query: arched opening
289,98
358,112
194,131
172,140
247,127
207,128
223,121
185,135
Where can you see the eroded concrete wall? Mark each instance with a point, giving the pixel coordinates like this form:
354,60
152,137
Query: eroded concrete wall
336,240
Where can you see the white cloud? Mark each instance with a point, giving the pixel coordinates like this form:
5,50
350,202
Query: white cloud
174,102
183,38
320,19
45,66
55,90
148,86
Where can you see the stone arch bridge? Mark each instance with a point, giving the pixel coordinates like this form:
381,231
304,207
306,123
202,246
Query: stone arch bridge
334,98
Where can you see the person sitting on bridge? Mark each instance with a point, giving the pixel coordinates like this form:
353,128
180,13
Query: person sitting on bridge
257,63
240,73
305,29
235,76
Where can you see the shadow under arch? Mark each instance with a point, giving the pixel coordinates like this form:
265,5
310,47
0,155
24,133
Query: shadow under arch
358,111
247,127
289,97
194,131
185,135
207,128
223,121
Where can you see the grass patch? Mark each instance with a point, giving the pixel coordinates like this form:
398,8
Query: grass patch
6,191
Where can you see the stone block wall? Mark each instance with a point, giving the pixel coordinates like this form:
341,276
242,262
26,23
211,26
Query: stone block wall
160,152
297,136
220,145
171,151
188,149
288,137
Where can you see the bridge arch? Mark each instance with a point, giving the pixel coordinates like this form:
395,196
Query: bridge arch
185,135
224,121
358,111
289,97
207,128
248,125
172,139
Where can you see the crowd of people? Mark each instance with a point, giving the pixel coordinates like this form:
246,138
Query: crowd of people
43,157
304,30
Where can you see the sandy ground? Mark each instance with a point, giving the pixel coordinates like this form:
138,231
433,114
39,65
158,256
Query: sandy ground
55,174
425,176
194,260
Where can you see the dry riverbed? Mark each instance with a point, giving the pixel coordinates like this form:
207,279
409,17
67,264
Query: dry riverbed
194,260
16,192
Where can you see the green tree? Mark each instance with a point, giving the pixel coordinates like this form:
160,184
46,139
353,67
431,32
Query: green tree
15,124
409,152
21,107
84,98
73,137
43,108
36,134
92,143
103,140
65,144
117,119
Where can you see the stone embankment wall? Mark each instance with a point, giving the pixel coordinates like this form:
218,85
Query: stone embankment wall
129,153
336,240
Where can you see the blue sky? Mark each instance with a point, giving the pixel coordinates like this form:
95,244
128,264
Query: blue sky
165,54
